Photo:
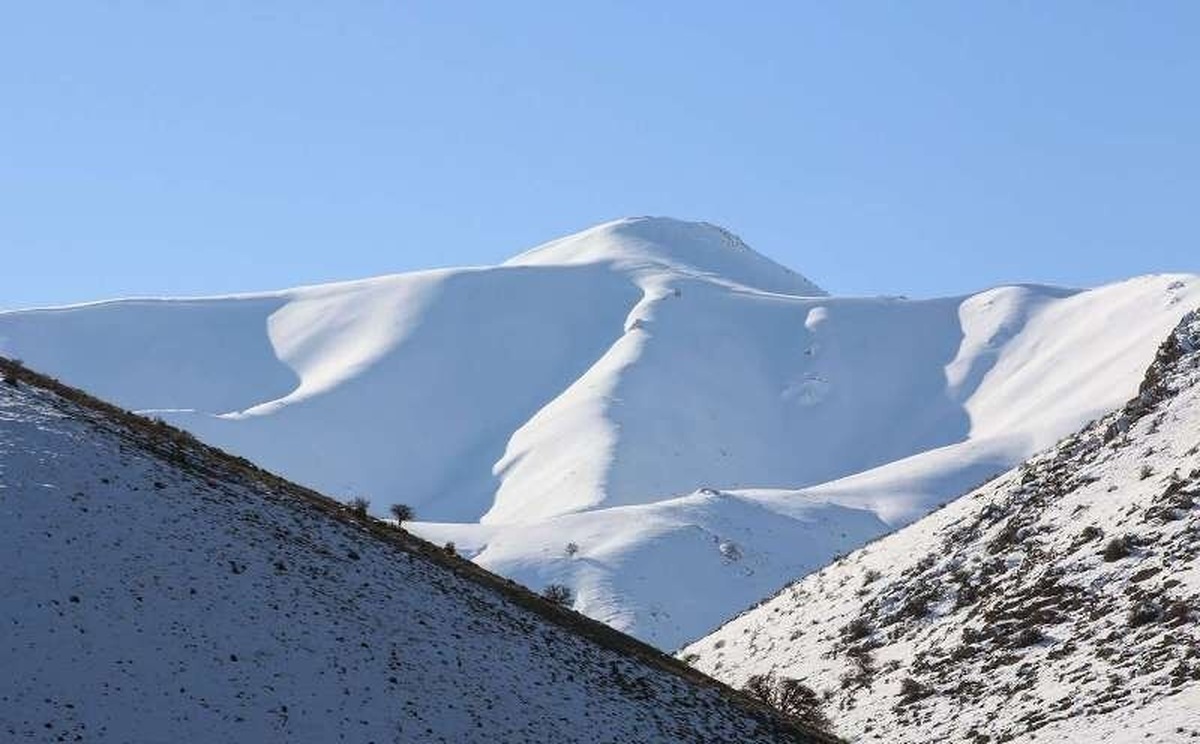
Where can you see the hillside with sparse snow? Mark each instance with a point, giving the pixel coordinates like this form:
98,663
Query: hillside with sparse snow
153,590
1059,602
703,424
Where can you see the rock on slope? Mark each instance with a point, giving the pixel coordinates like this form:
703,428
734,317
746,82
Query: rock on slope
587,390
153,589
1058,602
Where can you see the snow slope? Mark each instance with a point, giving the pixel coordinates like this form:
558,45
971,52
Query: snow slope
586,390
1060,602
155,590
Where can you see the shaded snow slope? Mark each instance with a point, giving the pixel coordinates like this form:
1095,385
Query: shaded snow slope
1059,602
154,590
629,365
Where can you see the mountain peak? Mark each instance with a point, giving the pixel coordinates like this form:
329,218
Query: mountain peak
675,246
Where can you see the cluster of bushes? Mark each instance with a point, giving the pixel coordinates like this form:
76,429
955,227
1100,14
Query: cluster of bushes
789,696
400,512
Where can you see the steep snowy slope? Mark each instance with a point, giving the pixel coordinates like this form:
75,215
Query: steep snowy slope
153,590
1060,602
587,390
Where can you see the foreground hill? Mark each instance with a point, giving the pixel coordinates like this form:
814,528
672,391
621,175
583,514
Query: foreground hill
153,589
702,424
1059,602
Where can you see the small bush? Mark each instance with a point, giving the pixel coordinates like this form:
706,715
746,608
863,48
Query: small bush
359,505
1006,539
1145,472
402,513
10,374
856,629
450,547
911,691
1089,533
1116,549
916,604
1177,613
1027,637
1143,613
862,669
967,595
559,594
760,687
571,549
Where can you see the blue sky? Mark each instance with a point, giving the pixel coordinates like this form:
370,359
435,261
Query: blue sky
918,148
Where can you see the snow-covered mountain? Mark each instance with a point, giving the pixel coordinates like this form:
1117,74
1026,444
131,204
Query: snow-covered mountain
153,590
699,424
1059,602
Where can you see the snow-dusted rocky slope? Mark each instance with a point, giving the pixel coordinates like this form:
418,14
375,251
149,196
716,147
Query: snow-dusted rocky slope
585,391
1059,602
154,590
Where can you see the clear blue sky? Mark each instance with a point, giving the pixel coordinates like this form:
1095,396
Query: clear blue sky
918,148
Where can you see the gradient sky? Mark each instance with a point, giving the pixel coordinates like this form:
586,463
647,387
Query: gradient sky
156,148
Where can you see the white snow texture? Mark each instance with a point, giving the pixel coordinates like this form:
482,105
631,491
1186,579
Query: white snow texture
153,592
702,423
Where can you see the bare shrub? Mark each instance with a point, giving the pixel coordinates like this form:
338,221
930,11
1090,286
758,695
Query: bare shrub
1026,637
856,629
789,696
1177,613
1143,613
558,594
911,691
1116,549
402,513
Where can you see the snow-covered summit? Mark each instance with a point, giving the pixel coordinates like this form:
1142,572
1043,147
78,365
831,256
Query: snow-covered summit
663,243
586,390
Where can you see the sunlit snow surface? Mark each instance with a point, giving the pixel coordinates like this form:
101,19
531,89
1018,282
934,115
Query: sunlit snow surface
587,390
1058,603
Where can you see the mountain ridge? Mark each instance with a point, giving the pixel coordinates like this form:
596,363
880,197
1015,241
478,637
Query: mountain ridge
628,397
